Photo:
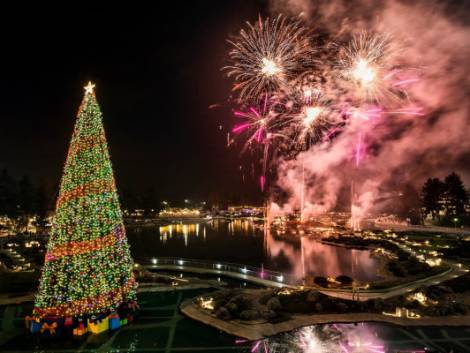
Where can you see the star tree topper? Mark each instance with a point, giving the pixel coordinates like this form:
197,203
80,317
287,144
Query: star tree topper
89,88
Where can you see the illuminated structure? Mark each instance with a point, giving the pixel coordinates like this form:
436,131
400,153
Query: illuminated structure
88,267
180,212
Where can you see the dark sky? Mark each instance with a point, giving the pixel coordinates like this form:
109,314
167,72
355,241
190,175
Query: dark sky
156,69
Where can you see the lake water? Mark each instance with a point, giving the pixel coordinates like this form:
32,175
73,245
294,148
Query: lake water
246,242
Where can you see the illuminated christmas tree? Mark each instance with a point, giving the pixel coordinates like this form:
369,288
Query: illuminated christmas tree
88,266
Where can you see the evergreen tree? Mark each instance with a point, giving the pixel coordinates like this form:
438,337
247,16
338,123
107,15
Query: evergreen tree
150,201
409,204
41,202
432,193
8,195
88,267
456,194
26,195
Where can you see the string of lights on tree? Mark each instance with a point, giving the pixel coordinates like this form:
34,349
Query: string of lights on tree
88,266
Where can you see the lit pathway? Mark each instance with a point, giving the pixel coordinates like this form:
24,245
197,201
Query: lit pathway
252,278
454,272
428,229
275,279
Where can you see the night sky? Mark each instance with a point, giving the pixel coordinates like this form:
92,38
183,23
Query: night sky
157,71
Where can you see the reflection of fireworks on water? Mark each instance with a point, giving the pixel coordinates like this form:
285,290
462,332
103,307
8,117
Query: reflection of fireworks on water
266,55
342,338
360,339
309,341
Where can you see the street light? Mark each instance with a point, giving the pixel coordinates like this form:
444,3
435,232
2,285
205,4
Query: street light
455,220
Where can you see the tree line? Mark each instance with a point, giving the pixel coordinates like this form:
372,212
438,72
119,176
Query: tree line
445,201
22,197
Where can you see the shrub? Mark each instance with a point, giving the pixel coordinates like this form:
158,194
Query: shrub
242,302
249,315
321,281
461,308
396,268
341,307
223,314
231,307
268,314
313,296
274,304
265,297
378,304
344,280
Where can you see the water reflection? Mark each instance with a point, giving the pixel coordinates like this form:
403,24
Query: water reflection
167,231
308,256
335,338
249,242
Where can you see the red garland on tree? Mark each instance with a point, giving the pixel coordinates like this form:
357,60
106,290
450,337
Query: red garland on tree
88,270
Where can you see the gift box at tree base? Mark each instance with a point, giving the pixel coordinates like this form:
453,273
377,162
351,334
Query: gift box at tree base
87,282
50,326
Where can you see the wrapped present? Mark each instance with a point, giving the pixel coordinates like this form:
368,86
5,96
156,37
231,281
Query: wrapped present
113,314
97,326
68,321
35,325
114,321
80,330
124,321
49,329
53,318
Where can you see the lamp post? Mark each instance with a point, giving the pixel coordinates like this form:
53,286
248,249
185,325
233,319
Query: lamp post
455,220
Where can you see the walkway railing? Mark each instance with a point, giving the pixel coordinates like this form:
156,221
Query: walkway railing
248,273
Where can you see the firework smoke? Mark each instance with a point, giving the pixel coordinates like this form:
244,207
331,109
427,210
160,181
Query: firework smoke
402,143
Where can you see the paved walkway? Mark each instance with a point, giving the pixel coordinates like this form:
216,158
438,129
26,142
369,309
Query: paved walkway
231,274
417,228
362,295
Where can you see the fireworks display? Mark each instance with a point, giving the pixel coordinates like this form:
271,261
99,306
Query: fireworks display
267,55
305,92
363,63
